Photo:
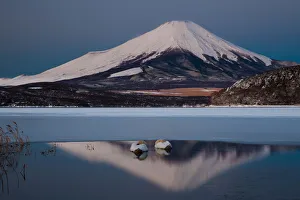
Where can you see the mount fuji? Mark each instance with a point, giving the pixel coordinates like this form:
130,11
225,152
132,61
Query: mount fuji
175,52
177,64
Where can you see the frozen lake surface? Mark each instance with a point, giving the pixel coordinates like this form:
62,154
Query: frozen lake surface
241,124
274,111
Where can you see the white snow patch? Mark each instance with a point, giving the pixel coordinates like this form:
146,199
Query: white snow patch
138,92
35,88
128,72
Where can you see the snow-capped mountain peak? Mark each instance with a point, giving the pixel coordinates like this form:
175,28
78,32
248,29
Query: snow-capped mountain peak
189,36
183,35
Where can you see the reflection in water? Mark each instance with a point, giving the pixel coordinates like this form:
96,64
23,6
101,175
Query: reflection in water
12,144
202,162
142,156
51,151
59,168
10,165
163,152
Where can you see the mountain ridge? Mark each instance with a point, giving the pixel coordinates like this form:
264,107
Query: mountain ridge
200,55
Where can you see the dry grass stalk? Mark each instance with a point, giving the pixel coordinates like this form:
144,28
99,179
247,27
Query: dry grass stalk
12,143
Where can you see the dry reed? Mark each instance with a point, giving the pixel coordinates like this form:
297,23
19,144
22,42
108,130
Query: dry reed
12,143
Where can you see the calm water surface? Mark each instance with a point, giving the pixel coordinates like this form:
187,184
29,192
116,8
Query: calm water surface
192,170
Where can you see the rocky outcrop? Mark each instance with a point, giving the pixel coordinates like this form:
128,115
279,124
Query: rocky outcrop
277,87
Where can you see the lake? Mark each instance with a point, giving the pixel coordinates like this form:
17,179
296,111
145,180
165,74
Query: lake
192,170
218,153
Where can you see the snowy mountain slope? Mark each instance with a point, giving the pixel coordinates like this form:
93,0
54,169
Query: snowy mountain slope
128,72
183,37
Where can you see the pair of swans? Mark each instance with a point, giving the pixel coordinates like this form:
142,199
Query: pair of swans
141,146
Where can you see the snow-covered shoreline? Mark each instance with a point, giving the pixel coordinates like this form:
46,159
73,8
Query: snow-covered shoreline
185,106
226,111
254,106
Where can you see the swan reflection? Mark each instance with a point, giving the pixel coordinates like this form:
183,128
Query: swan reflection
163,152
142,156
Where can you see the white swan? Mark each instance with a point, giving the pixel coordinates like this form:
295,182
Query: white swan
163,144
139,146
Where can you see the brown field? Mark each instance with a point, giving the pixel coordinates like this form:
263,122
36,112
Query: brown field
182,92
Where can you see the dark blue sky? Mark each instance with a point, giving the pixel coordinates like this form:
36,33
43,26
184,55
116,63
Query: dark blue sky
37,35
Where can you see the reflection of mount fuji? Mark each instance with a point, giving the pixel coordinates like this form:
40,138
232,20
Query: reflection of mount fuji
190,164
